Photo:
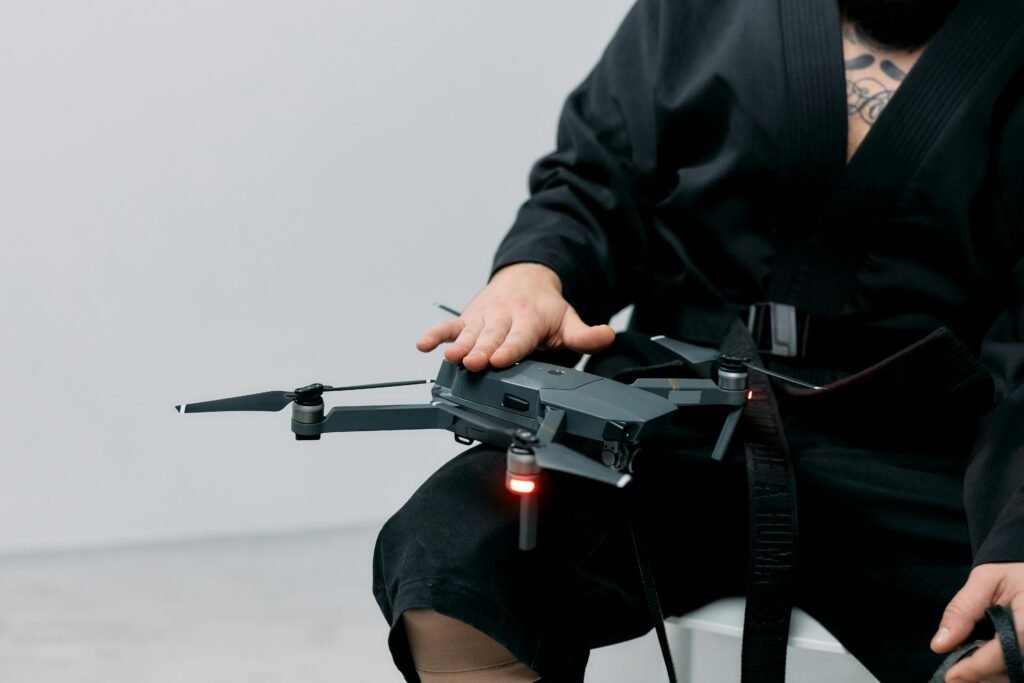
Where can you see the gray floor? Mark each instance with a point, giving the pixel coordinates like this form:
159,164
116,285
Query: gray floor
276,609
273,609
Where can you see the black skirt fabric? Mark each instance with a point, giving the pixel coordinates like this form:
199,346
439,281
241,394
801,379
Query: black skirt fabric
883,546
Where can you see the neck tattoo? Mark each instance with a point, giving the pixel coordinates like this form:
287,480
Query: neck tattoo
867,96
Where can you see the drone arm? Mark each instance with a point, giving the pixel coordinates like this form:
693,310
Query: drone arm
551,427
691,392
438,415
376,418
476,426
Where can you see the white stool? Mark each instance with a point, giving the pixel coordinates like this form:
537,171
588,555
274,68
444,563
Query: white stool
706,648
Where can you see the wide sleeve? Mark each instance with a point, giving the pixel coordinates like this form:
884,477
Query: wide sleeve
583,218
994,483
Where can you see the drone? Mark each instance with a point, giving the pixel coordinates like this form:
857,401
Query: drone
529,409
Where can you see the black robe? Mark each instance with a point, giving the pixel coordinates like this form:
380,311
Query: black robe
711,138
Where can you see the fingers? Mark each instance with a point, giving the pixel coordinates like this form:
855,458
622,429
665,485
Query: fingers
513,315
464,343
493,335
442,332
579,336
521,340
965,610
984,665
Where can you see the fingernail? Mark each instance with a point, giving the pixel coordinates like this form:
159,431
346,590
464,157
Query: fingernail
941,636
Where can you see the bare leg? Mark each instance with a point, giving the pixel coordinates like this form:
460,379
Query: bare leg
447,650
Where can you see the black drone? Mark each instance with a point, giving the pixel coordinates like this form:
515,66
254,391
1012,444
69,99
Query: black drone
528,408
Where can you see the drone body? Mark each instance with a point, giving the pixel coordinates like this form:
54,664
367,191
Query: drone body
596,408
527,409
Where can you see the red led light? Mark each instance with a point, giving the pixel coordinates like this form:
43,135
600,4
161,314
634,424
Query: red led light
521,486
750,394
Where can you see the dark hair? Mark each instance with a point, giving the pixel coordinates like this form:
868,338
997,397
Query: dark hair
897,23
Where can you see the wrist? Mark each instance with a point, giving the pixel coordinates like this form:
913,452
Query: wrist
533,273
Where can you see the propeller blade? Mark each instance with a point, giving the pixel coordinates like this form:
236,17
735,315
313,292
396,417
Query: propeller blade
268,401
380,385
691,353
785,378
697,355
448,309
725,436
555,456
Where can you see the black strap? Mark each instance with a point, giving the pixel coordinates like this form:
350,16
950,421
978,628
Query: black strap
773,535
962,652
1006,631
773,524
651,593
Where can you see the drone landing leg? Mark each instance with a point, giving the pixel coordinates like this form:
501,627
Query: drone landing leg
528,522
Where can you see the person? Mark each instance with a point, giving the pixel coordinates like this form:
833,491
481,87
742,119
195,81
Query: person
712,142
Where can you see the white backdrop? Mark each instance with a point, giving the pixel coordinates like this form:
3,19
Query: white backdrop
216,197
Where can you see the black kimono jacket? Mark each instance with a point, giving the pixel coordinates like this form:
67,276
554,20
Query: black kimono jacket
711,137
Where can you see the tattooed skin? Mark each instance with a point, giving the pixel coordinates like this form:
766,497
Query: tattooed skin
867,96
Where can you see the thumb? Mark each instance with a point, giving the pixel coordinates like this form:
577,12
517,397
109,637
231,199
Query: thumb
579,336
963,612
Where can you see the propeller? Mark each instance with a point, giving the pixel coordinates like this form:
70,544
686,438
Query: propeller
691,353
273,401
702,356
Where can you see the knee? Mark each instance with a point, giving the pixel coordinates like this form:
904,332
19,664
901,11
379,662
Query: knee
446,650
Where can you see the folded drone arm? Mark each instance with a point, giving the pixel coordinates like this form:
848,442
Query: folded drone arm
376,418
701,392
437,415
691,392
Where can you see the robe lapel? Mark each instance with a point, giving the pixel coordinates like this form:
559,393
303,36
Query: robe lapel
980,46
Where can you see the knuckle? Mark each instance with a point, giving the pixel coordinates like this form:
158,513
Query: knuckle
520,340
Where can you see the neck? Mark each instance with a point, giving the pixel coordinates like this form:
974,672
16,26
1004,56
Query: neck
896,24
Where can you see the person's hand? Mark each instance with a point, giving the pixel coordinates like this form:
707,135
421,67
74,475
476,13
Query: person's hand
521,309
988,585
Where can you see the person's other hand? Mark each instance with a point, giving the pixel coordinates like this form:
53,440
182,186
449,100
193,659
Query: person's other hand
521,309
988,585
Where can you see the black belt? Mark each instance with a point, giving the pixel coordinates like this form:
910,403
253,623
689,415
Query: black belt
773,524
773,532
